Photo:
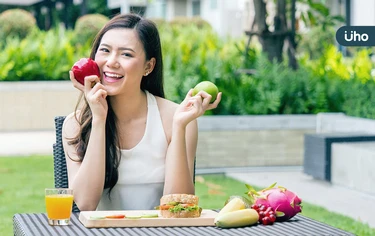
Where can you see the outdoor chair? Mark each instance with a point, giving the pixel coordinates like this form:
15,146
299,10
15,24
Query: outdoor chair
59,162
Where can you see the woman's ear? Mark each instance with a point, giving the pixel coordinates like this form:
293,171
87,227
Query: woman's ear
150,65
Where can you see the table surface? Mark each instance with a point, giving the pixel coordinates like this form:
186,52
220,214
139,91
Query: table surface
36,224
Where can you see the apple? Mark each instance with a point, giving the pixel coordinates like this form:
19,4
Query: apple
85,67
208,87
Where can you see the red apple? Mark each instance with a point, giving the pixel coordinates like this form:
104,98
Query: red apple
85,67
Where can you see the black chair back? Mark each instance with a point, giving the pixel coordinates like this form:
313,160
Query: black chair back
59,162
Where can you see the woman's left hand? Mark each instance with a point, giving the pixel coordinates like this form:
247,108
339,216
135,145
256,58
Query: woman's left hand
193,107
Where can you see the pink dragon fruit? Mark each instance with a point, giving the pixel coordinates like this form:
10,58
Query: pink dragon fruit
285,203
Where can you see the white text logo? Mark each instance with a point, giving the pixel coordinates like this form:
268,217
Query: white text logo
354,36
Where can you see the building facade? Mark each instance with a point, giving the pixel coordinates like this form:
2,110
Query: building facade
228,18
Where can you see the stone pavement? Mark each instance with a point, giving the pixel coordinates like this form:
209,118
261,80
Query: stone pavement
26,143
342,200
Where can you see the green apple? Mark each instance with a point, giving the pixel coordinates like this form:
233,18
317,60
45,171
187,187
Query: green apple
208,87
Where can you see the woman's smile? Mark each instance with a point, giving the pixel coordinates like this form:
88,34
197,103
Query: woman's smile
111,77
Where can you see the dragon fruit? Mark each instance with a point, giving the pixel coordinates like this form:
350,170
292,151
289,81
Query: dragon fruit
285,203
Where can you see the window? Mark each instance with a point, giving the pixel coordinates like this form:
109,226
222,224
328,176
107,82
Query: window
213,4
164,9
196,8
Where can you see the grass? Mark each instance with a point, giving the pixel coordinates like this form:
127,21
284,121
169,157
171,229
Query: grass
23,180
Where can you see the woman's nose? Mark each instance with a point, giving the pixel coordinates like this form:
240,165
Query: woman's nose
113,62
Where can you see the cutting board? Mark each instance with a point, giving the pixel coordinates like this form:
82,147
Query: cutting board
206,219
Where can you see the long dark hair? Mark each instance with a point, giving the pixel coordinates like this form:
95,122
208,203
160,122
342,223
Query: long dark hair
149,36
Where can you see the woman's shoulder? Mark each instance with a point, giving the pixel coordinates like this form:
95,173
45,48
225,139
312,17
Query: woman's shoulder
165,105
71,125
167,109
72,117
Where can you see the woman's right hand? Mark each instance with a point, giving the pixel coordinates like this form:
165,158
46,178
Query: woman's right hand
75,82
95,95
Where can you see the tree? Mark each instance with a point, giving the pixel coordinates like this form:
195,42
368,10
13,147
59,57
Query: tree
273,41
281,32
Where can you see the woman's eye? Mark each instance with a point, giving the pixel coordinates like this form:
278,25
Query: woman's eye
103,49
127,54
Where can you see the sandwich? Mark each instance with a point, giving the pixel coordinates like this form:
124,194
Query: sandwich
179,206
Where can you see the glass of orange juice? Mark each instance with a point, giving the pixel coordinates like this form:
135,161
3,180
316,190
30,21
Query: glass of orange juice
59,203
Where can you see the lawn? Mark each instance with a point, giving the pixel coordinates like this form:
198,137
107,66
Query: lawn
22,184
23,180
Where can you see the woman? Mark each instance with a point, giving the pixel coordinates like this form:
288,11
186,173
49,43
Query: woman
128,145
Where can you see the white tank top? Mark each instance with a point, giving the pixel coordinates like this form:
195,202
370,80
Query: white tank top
141,171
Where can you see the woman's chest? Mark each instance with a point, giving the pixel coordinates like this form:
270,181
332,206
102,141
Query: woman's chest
141,166
132,133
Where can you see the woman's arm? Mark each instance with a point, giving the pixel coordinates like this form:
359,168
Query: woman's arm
179,169
87,178
180,160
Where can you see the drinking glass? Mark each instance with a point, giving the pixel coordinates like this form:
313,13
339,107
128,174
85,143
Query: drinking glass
59,203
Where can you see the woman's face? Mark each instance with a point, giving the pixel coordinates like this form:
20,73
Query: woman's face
121,59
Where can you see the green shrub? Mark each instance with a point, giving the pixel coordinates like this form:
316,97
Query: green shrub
347,82
160,22
42,56
315,41
87,27
330,83
182,21
187,62
360,99
16,23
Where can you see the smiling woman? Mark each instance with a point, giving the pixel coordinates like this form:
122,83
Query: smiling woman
133,139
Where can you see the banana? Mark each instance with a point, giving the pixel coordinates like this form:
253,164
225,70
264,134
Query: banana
233,205
239,218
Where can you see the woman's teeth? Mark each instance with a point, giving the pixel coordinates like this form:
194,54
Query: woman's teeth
113,75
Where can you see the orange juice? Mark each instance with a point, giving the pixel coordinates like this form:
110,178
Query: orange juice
59,206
